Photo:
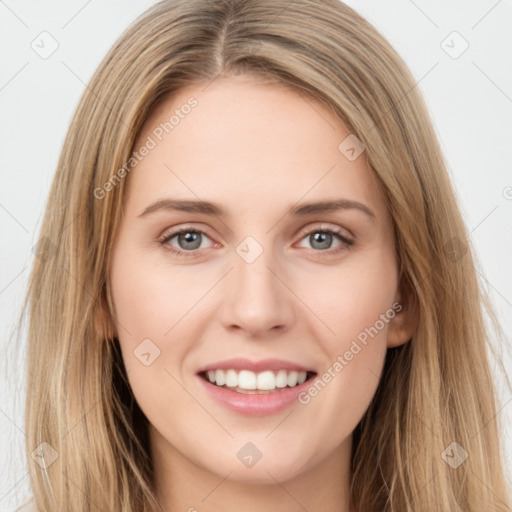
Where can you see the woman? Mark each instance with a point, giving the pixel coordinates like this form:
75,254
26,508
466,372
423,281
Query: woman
252,371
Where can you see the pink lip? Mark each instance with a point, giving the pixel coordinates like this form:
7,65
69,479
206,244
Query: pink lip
240,363
254,404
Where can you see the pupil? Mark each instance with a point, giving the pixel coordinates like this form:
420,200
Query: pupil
190,237
322,238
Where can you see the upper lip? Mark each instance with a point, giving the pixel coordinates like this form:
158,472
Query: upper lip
241,363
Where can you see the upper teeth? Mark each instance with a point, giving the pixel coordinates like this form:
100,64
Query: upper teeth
246,379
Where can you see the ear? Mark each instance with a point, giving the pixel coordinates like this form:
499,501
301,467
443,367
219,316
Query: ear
103,323
403,325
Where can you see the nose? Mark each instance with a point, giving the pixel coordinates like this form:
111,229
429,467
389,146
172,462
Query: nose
257,298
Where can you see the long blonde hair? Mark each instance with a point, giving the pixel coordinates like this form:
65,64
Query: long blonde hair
436,390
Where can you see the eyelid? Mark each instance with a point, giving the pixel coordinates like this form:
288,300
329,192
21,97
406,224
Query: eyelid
171,232
322,226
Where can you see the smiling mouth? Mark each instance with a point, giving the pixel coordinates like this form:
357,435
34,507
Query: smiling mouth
251,383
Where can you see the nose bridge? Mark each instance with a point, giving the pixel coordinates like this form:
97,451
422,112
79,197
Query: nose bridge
256,300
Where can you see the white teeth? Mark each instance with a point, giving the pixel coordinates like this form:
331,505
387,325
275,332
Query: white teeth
265,381
220,377
281,379
246,380
292,379
231,378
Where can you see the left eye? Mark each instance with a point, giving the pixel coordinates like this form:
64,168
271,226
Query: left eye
323,238
189,240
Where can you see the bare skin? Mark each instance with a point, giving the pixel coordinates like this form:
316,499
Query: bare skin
257,151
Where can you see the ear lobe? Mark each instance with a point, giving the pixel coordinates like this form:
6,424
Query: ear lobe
403,325
102,320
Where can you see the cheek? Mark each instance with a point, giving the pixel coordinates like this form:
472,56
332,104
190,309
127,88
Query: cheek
148,298
354,297
355,306
149,302
147,306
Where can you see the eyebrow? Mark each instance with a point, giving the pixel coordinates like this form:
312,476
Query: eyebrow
209,208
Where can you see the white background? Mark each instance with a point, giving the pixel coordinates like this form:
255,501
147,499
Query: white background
469,97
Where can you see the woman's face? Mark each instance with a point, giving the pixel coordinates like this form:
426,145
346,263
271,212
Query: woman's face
262,274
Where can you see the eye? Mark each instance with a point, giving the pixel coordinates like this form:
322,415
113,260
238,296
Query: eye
321,239
188,240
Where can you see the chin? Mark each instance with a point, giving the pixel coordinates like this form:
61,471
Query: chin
262,474
257,467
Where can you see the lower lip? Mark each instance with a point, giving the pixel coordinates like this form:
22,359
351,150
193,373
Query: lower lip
255,404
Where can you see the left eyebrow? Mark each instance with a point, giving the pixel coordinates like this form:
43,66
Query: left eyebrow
331,206
209,208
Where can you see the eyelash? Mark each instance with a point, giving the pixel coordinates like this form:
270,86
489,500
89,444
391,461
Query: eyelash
346,243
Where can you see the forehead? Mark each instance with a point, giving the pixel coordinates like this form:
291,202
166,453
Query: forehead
239,141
